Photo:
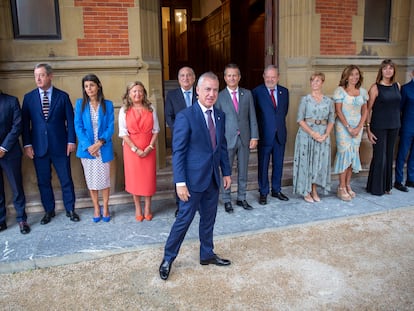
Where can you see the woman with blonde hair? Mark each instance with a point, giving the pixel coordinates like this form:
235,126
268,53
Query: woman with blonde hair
312,159
139,128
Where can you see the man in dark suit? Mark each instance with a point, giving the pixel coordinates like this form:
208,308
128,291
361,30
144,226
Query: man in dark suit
49,138
272,103
199,152
11,160
179,99
406,143
241,131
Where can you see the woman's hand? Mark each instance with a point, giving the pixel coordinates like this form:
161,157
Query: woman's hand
94,149
371,137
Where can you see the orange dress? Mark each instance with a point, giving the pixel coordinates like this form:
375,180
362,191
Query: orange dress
140,173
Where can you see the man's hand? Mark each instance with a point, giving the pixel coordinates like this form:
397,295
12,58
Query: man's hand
253,143
183,193
29,152
2,153
226,182
70,148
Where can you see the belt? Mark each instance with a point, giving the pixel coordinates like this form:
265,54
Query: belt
317,122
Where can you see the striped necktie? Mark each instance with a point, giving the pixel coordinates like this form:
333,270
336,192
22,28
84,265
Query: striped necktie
45,105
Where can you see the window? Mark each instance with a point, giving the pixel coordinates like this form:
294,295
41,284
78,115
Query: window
37,19
377,20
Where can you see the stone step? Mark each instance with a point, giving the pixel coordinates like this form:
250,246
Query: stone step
165,188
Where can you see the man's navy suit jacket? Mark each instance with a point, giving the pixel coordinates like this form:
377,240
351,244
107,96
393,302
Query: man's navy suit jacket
51,135
10,125
194,160
271,121
174,103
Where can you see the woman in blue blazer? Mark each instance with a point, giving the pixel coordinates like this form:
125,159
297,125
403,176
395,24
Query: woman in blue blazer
94,126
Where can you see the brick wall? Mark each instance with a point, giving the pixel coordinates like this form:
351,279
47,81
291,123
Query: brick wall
336,26
105,27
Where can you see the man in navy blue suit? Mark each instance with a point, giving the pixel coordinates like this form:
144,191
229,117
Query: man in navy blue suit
406,144
272,104
49,138
199,152
179,99
11,160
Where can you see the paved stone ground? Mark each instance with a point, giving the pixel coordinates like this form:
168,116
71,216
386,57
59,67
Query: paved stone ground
285,256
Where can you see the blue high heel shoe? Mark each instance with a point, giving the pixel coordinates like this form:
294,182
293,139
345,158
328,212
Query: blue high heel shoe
98,219
107,218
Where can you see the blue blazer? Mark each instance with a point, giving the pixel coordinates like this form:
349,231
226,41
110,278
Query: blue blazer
10,126
271,121
174,103
52,135
84,130
407,107
194,160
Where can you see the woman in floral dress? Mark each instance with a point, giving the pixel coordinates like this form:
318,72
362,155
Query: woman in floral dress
312,160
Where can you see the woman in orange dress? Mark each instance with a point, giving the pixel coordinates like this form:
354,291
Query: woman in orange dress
138,128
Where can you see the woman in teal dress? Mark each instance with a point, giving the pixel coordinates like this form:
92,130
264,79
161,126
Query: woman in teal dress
312,160
351,110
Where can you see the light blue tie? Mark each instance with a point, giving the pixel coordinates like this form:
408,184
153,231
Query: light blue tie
187,98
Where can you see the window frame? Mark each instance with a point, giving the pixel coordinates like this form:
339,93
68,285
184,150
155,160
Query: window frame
386,24
35,36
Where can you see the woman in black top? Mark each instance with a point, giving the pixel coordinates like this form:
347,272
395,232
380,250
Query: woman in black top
383,122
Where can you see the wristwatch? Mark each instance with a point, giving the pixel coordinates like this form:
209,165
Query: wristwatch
134,149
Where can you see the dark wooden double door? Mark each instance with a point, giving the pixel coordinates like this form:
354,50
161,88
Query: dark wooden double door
239,31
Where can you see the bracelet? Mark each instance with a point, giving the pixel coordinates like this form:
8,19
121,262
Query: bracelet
134,149
151,147
348,126
102,140
367,124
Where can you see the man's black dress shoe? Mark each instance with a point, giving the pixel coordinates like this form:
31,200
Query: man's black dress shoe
244,204
73,216
280,196
47,218
24,227
263,199
228,207
215,260
400,186
165,269
3,226
409,184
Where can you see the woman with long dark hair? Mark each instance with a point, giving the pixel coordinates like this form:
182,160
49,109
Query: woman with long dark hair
94,126
383,123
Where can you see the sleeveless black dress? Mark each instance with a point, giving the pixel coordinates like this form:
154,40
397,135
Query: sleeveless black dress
385,122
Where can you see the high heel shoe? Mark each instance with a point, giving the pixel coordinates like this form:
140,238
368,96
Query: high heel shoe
343,195
148,217
350,192
139,218
98,219
308,198
106,218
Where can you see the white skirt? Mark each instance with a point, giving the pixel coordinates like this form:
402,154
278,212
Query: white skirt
97,173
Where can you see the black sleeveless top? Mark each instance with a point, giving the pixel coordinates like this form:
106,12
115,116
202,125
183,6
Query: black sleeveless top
386,108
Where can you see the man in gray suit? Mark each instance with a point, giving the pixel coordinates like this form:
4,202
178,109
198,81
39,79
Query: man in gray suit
241,131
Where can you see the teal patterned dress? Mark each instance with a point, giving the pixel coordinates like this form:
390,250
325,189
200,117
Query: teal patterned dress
312,160
347,147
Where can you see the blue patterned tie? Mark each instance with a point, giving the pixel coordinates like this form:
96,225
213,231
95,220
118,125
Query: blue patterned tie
187,98
211,129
